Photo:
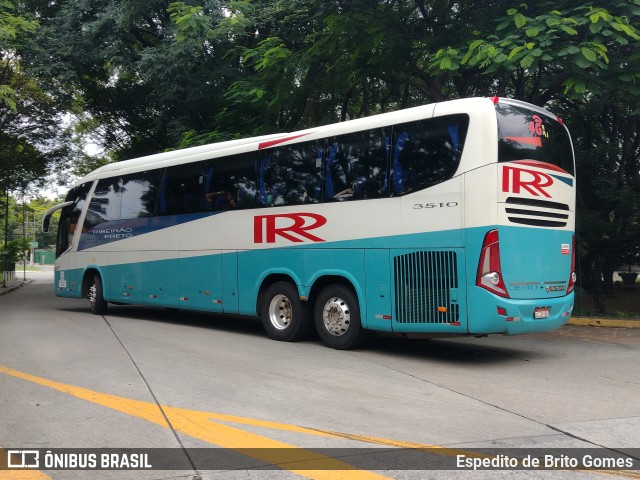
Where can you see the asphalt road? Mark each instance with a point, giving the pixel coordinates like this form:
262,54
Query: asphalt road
140,378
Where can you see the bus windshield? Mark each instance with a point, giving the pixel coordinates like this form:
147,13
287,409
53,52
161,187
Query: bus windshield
524,134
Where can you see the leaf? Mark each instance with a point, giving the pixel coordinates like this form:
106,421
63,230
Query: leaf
520,20
552,22
446,63
532,32
514,52
527,61
589,54
595,27
569,30
572,49
475,44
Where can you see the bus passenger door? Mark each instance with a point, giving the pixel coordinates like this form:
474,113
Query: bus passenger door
201,281
378,290
429,291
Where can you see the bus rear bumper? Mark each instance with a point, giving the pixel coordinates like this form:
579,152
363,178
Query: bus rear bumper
515,317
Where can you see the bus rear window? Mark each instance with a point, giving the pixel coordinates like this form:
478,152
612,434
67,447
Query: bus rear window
525,134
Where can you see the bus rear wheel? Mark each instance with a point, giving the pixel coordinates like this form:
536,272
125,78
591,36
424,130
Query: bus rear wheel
95,294
284,317
337,318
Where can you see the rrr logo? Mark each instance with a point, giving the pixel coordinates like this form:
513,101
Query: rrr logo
290,226
516,179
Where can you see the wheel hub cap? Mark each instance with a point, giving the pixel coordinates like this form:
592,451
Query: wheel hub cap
280,312
336,316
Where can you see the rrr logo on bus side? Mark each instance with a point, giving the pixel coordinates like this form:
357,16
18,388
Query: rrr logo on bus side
290,226
517,179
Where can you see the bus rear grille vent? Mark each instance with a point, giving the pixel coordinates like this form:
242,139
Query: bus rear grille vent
537,213
423,283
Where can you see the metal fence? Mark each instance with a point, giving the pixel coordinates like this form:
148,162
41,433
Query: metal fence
8,276
608,279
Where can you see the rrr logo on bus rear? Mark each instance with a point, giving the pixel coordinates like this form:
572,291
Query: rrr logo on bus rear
293,227
517,179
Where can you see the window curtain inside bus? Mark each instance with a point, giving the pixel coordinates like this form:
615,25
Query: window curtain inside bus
398,173
455,138
328,189
162,199
262,191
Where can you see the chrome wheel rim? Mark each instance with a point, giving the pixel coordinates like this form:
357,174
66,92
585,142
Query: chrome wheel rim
280,312
93,293
336,316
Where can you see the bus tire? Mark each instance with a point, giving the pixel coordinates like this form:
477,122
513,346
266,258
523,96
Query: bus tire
284,317
337,317
95,294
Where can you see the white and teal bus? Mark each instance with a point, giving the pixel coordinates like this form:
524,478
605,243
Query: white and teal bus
455,218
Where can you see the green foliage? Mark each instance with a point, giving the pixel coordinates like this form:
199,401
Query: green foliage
141,77
550,49
13,29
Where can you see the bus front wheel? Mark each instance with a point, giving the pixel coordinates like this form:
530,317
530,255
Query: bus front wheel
95,295
337,318
283,315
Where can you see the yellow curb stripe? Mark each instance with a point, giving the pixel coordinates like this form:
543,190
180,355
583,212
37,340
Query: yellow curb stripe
303,462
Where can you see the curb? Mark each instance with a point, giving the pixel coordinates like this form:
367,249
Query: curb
14,287
603,322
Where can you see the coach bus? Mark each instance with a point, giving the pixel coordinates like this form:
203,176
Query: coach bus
455,218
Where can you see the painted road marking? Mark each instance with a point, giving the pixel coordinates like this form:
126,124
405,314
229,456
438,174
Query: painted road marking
205,426
200,425
20,474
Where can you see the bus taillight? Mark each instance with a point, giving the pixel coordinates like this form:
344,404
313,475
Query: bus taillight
489,274
572,275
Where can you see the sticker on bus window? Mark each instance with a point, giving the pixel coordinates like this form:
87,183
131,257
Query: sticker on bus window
536,127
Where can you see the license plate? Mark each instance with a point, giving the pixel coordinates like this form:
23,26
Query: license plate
541,312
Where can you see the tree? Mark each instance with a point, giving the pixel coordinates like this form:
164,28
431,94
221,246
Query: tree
127,71
149,76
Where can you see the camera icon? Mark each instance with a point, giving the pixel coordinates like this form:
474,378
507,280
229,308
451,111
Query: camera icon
23,459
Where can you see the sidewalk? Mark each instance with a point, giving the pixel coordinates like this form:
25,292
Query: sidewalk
11,286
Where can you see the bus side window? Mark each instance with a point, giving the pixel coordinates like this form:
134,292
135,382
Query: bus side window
68,226
182,189
231,182
356,166
105,203
290,175
426,152
139,194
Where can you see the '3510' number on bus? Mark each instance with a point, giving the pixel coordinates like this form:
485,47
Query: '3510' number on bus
419,206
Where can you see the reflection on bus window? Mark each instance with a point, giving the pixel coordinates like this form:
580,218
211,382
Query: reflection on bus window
426,152
525,135
70,216
356,166
182,189
290,175
231,182
139,194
